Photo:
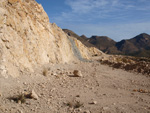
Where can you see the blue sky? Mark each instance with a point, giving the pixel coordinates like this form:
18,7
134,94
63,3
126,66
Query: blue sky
117,19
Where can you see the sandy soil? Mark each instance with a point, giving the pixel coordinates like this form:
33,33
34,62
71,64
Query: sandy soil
101,89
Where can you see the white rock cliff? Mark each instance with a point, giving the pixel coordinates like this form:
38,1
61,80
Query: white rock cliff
27,39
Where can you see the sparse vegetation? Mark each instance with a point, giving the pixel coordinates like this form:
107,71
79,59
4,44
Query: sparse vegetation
141,90
69,104
76,104
21,98
135,64
45,72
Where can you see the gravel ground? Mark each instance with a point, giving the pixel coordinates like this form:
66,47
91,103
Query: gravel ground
100,89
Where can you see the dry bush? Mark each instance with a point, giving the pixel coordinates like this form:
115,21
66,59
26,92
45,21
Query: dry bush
117,65
139,65
75,104
130,67
19,98
45,72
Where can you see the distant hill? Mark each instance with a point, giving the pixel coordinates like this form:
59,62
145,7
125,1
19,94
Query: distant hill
104,43
136,46
82,38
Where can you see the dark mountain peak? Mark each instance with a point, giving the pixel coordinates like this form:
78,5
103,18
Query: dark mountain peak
103,43
101,38
142,36
136,46
66,30
121,43
95,36
70,33
141,40
84,37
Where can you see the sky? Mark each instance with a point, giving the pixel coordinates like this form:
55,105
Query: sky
117,19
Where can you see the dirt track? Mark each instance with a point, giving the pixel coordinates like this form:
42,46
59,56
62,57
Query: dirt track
102,89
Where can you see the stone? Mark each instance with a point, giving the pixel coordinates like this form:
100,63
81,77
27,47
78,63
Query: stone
24,83
94,102
77,73
77,95
34,95
87,111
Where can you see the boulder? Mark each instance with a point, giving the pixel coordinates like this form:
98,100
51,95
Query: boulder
77,73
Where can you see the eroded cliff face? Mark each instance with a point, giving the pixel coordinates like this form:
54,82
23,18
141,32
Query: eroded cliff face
27,39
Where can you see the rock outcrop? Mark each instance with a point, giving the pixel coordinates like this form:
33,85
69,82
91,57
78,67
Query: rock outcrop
27,39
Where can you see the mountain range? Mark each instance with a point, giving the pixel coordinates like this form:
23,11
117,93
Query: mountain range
137,46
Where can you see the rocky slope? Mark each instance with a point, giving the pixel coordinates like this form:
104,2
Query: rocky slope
27,39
